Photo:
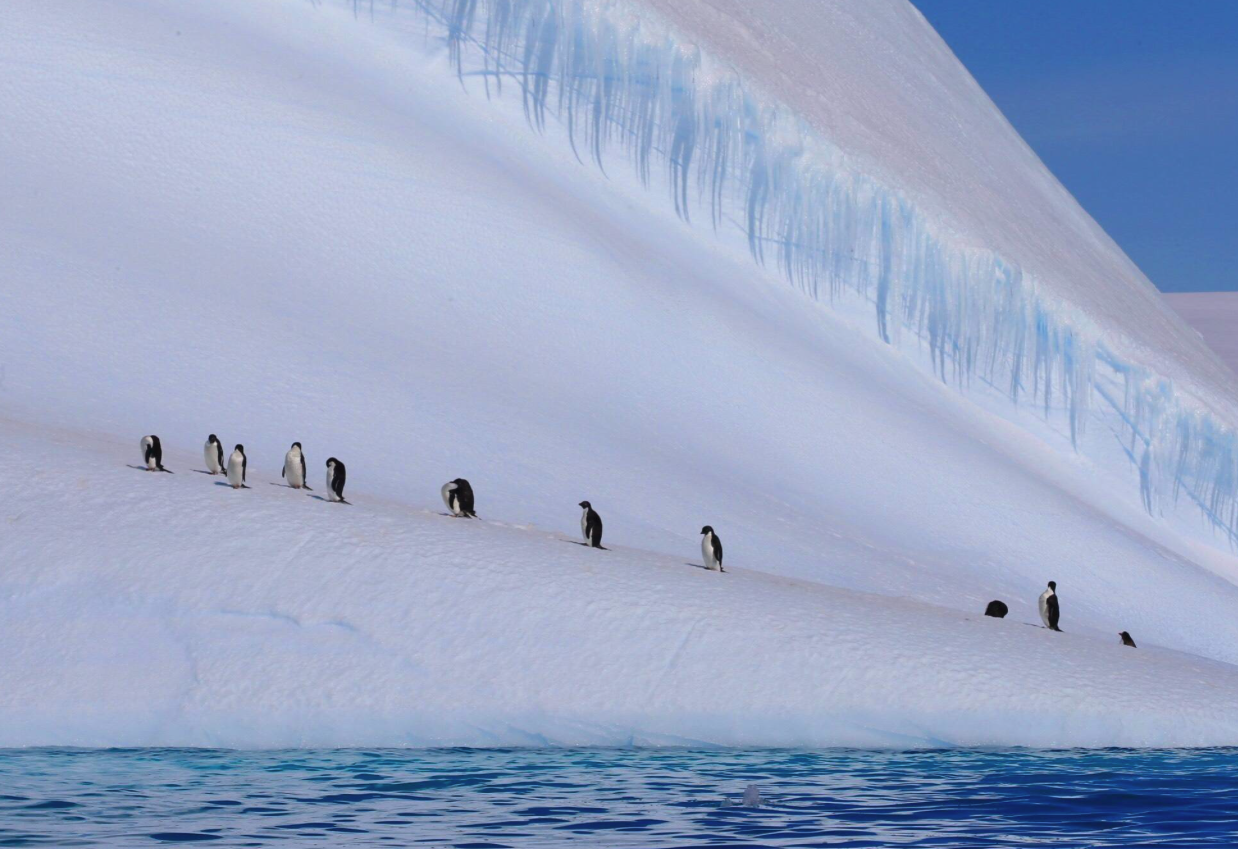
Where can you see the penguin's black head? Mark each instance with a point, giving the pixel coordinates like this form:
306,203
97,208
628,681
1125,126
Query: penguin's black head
212,439
239,447
296,445
331,461
1053,585
460,482
1125,635
707,530
586,505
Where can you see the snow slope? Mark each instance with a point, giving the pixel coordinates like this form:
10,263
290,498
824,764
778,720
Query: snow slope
304,623
276,222
1214,315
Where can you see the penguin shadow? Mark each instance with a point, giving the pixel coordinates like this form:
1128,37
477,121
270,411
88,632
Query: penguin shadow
289,486
144,469
707,569
584,544
320,498
230,486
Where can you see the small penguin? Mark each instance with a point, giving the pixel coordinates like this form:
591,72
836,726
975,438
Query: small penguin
458,496
236,467
213,452
335,480
152,454
997,609
1126,639
591,525
711,550
1049,610
294,468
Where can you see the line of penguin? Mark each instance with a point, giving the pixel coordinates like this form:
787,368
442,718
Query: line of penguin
457,494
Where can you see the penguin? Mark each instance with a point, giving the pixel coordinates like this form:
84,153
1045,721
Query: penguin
152,453
335,480
236,467
458,496
1049,611
997,610
591,525
294,468
711,550
213,452
1126,639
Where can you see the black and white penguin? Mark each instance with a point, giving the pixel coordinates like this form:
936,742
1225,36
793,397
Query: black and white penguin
294,468
997,609
1126,639
236,467
458,496
711,550
213,453
152,454
335,480
591,525
1049,610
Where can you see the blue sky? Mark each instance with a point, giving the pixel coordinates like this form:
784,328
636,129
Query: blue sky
1133,104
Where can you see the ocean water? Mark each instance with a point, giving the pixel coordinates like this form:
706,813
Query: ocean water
607,797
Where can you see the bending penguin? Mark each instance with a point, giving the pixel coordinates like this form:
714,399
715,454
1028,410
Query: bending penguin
711,549
997,609
1049,610
152,454
1126,639
294,468
591,525
335,480
213,452
458,496
237,467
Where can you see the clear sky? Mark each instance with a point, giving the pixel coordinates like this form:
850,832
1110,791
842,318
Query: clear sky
1133,104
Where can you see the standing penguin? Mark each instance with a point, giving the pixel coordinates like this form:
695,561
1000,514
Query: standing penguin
1049,610
213,453
335,480
236,467
152,454
458,496
711,550
294,468
1126,639
591,525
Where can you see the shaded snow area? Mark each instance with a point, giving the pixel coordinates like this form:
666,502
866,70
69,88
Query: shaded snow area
278,221
1215,316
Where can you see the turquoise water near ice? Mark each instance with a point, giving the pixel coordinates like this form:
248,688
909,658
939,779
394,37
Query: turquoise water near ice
618,797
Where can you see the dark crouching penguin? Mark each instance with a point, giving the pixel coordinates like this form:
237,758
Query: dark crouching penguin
237,467
213,453
335,480
1126,639
591,525
711,550
152,454
996,609
458,496
294,468
1049,611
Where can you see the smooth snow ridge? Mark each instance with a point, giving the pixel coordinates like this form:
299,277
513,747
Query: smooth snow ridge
615,75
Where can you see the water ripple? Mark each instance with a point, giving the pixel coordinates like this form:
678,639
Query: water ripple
646,798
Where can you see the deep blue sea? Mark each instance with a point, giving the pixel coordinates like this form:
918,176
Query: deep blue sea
608,797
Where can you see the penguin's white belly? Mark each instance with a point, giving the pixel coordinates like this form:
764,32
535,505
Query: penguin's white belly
584,525
1044,608
292,471
211,453
331,496
150,463
707,552
449,498
235,474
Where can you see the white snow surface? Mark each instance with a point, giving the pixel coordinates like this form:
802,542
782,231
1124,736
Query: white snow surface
274,221
1214,315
